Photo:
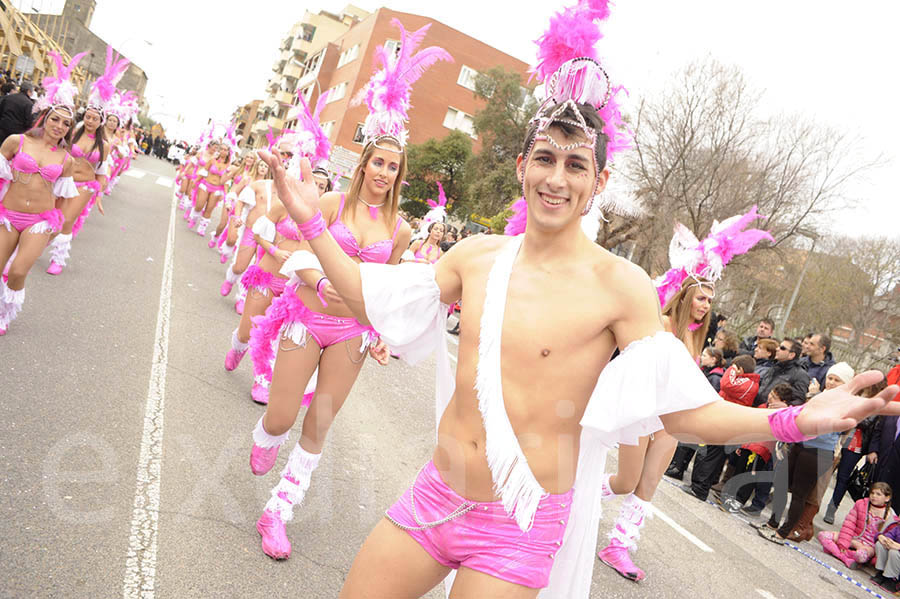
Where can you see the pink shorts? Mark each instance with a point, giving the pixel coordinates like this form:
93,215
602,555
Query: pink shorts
484,538
50,221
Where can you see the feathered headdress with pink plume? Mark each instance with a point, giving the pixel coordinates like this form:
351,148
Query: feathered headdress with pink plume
569,66
387,94
103,89
59,92
707,259
123,106
309,140
231,138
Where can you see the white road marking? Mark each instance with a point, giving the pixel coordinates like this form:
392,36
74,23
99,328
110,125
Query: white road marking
680,529
135,173
164,181
140,561
766,594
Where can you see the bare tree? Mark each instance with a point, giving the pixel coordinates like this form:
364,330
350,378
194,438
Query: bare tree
702,153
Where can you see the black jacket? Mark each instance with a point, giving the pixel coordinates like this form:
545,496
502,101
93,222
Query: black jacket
748,345
818,370
789,372
15,114
888,449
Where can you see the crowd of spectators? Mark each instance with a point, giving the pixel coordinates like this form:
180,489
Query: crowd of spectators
765,372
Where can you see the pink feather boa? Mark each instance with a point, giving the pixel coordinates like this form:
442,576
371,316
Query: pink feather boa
515,224
256,278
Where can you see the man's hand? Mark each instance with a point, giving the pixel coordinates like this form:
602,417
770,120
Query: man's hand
840,409
301,198
814,386
380,352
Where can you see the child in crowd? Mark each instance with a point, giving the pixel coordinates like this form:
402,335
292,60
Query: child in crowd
754,457
739,383
712,363
887,558
867,520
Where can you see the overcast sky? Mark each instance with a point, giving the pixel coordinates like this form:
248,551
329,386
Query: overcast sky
834,62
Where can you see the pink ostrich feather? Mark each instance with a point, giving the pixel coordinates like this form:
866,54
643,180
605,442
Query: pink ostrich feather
387,94
309,122
571,33
709,257
104,88
515,224
58,88
266,329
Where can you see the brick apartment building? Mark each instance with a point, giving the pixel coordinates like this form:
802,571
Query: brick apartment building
442,100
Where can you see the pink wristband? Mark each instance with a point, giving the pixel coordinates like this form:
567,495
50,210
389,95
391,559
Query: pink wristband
272,249
783,423
319,291
313,227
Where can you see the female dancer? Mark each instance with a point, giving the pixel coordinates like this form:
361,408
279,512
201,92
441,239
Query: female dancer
247,210
183,175
90,170
228,237
427,250
39,172
237,173
686,314
204,157
211,188
263,279
314,329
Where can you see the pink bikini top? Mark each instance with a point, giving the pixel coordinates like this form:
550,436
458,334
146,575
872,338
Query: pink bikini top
287,228
419,254
378,252
25,163
237,179
201,161
77,152
214,171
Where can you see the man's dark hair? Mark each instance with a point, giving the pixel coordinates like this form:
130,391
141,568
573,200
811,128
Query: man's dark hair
796,347
769,322
26,87
591,117
784,392
745,362
824,341
8,88
721,318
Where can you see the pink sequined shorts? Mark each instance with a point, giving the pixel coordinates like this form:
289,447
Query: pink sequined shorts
484,537
50,221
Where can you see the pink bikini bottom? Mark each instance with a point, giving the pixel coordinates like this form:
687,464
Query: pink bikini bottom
484,538
262,281
50,221
213,190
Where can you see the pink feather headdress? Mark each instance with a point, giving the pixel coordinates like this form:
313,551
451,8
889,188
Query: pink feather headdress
568,64
59,92
103,89
123,106
309,140
707,259
387,93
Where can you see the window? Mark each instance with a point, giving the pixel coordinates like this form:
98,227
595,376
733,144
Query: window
392,46
308,32
337,92
327,127
307,92
459,120
359,136
348,56
467,77
313,64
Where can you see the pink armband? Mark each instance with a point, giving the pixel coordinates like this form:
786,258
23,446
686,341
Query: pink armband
272,249
313,227
319,291
783,423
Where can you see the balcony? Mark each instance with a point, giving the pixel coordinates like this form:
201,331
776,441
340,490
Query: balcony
287,43
284,97
292,70
259,127
300,45
275,123
307,79
268,104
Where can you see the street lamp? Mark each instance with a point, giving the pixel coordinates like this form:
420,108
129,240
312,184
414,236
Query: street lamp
787,314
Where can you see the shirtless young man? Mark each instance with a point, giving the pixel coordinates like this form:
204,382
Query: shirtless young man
524,425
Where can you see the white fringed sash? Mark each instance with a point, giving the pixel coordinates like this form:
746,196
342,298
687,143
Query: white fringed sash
513,480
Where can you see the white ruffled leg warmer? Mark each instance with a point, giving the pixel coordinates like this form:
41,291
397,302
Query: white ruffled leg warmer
59,248
632,516
236,343
10,304
295,479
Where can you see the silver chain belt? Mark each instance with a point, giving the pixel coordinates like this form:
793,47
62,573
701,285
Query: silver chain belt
460,510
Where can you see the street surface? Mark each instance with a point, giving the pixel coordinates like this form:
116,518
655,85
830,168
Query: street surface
79,445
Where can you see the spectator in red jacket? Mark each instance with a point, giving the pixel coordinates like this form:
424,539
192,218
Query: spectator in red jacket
869,517
740,384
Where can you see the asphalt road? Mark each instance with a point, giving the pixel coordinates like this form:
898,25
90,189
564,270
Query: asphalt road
79,365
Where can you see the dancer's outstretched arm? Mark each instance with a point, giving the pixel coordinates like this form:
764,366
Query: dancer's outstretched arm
301,199
721,422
